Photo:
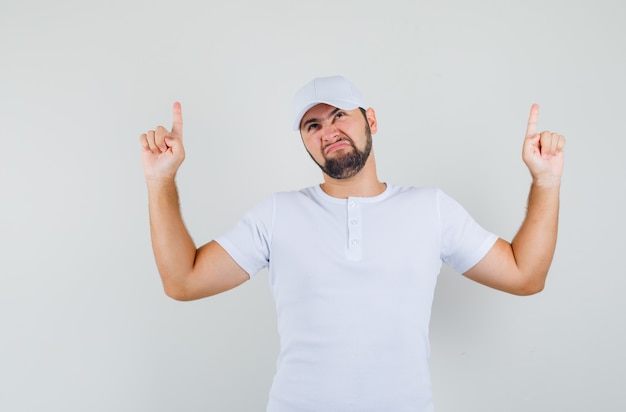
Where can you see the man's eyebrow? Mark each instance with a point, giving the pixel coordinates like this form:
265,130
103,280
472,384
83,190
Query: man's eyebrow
316,120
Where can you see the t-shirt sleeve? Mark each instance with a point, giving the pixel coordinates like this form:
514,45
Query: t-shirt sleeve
248,242
463,241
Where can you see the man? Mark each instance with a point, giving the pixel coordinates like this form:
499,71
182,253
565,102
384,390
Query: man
353,262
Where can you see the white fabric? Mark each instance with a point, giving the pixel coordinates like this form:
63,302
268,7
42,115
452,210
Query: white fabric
353,281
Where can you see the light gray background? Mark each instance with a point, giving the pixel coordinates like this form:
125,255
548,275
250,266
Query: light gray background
84,323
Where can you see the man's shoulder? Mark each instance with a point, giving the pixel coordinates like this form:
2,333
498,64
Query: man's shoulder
305,192
291,198
413,191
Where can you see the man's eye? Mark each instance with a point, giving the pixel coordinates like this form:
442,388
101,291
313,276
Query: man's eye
339,114
312,126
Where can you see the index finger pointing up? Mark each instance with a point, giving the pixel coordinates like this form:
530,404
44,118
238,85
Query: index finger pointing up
531,129
177,124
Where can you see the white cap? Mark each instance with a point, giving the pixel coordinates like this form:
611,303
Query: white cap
335,91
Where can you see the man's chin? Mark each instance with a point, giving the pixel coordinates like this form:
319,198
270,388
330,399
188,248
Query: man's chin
341,170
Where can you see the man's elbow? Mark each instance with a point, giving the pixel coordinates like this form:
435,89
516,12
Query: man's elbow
175,293
531,287
187,290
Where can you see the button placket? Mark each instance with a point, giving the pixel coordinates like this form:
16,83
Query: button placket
354,229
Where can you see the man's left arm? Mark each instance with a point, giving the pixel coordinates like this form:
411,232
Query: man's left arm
521,267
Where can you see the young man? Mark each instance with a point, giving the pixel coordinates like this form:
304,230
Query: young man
353,262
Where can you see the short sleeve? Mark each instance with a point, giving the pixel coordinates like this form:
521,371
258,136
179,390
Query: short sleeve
248,242
463,241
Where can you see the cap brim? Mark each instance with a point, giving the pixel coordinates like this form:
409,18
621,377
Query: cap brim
341,104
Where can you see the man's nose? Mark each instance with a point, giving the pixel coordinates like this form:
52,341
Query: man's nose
329,131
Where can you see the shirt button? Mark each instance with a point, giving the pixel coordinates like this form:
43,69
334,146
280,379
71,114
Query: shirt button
355,241
353,222
352,203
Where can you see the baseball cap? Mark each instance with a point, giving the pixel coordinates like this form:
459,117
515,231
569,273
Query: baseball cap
334,90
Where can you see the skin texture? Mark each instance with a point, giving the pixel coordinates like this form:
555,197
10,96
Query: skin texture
323,133
187,273
342,159
519,267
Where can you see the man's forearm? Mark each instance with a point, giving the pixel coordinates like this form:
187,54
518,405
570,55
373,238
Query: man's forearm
535,242
174,250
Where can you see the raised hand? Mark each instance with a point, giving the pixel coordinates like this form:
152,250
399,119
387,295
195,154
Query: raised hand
162,150
543,152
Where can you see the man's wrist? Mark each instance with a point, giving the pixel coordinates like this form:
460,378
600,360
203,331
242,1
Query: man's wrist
156,182
547,182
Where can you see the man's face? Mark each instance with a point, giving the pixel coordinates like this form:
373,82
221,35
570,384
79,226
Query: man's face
339,141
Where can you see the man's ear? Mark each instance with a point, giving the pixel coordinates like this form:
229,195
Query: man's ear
370,115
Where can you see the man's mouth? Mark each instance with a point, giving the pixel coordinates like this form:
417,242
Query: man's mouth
338,145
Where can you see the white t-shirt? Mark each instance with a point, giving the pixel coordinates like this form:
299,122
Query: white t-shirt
353,281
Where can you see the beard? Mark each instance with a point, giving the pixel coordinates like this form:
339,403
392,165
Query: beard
346,165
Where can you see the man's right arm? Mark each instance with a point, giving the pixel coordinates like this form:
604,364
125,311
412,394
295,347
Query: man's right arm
187,273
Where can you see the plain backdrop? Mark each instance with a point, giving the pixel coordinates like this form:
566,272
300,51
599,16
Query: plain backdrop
85,325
